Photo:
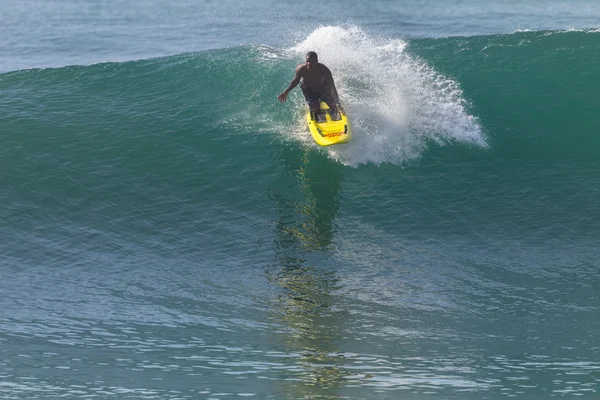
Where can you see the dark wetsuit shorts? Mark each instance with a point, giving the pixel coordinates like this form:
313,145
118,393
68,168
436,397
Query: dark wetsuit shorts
313,96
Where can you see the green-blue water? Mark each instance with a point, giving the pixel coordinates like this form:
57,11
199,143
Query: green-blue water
170,231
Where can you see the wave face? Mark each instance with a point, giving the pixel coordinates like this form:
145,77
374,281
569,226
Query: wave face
508,108
167,217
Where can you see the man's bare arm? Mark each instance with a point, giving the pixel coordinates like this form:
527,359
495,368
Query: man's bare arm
283,96
296,79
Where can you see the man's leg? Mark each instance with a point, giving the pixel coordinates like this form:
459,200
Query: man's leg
312,99
333,103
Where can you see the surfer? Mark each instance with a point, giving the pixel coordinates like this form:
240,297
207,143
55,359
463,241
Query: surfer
317,83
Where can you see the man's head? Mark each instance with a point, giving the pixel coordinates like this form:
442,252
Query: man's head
311,59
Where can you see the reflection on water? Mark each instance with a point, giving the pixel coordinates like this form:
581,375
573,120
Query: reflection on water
305,225
309,219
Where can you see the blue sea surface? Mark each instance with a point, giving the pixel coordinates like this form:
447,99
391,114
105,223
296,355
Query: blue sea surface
170,231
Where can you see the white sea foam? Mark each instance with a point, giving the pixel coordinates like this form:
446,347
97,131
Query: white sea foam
397,103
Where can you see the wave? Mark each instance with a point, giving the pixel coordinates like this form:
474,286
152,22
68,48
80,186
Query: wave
490,135
405,97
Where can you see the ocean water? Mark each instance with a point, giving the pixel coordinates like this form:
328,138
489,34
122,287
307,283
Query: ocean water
168,230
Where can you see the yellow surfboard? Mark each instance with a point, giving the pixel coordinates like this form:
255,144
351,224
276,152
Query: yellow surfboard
327,130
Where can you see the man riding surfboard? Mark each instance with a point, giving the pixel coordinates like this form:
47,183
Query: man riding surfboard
317,84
